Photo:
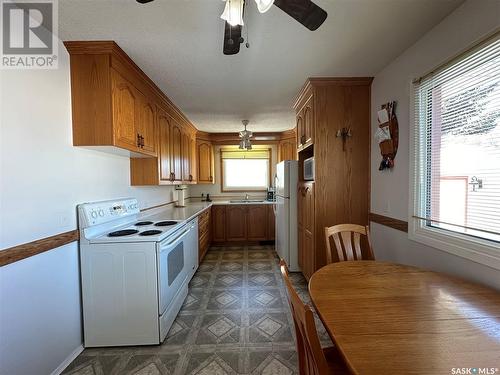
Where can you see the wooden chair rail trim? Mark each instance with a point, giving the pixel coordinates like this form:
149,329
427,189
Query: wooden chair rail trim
389,222
26,250
29,249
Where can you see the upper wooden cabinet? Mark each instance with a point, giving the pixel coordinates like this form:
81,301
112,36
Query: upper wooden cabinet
305,122
112,105
146,125
287,146
125,105
205,162
192,158
117,108
164,146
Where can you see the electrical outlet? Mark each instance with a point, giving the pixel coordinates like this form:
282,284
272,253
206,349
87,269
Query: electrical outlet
62,219
387,207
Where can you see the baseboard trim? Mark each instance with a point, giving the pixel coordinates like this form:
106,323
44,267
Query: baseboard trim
68,360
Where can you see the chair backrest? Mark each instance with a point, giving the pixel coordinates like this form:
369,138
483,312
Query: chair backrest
347,240
311,357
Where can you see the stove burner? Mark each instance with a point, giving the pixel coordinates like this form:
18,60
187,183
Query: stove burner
141,223
165,223
149,232
124,232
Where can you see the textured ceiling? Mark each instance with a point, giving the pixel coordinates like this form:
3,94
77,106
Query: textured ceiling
178,43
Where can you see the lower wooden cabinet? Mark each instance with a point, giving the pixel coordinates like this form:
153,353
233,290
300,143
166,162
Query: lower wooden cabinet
240,223
256,223
204,233
271,222
306,228
236,223
219,223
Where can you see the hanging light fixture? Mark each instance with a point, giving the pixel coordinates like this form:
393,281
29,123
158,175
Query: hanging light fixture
233,12
245,135
264,5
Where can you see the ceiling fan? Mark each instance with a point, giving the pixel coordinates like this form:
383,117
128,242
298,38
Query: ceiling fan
304,11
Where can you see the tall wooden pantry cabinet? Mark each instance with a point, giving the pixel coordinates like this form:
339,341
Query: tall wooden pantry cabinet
333,126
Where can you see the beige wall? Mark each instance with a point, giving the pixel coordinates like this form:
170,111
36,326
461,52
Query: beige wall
390,189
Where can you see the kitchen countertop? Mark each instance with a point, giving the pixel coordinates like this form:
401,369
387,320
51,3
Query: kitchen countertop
227,203
190,211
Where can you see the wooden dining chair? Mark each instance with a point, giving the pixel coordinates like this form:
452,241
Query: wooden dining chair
347,240
313,360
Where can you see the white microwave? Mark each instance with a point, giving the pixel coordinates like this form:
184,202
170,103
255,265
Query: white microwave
309,169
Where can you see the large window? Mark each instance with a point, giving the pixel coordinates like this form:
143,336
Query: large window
245,170
457,153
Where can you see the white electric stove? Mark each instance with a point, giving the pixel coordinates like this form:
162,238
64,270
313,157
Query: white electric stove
135,272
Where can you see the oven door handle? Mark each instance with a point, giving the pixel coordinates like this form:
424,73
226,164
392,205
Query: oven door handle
164,247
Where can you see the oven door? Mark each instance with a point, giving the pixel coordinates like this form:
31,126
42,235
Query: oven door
172,270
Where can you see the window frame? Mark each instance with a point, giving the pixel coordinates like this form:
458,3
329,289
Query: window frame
479,250
246,189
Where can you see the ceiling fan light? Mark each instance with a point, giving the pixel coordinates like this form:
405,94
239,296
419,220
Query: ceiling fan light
264,5
233,12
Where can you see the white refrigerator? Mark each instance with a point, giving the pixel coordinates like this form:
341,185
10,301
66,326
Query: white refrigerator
286,180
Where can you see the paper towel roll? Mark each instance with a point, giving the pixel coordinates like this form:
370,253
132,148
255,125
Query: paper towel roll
180,198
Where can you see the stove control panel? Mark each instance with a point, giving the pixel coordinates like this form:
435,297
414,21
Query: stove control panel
102,212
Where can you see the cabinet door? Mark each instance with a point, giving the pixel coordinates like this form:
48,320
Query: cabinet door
124,99
287,150
176,151
146,125
257,223
271,223
164,145
306,228
192,158
186,152
219,223
308,254
236,227
308,124
300,130
205,162
308,220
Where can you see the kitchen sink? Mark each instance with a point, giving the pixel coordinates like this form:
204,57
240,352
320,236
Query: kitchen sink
248,201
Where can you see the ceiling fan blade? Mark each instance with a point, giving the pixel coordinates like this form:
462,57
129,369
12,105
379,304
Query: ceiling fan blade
304,11
144,1
232,33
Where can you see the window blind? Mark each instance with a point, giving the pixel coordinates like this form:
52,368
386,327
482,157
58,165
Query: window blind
457,153
243,154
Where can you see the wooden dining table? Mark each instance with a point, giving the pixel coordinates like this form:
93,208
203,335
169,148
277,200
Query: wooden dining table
390,318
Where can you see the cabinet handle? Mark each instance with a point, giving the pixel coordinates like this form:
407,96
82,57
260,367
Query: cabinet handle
142,141
138,140
190,177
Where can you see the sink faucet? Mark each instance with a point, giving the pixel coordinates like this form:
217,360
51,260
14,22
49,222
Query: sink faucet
246,197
